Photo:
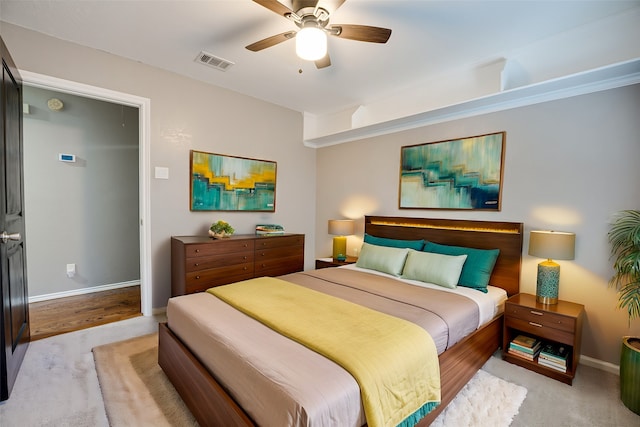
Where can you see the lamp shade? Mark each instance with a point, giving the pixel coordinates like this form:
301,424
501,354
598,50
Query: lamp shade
311,43
341,227
552,244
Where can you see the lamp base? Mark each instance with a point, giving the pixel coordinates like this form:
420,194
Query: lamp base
339,247
547,284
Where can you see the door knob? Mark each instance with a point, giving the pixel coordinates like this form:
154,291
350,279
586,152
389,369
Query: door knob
4,237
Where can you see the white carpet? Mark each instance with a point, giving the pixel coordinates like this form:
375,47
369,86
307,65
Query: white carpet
485,401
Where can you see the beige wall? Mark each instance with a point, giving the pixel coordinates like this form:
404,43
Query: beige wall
188,114
569,165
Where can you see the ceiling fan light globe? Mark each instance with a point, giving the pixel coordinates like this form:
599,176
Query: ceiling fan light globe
311,43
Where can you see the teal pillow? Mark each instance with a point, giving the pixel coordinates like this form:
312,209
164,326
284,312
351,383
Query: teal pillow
477,268
394,243
382,258
430,267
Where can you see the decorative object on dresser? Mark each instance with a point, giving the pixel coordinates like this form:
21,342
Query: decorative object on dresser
540,330
463,173
199,262
220,229
624,237
269,229
341,228
550,244
229,183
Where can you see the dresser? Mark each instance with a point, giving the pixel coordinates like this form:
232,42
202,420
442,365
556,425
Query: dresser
200,262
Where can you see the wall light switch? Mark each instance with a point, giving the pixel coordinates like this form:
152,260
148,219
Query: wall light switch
161,173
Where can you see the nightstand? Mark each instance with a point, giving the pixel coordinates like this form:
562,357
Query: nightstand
330,262
559,323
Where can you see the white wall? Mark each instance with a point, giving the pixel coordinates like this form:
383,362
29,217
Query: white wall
569,165
83,213
188,114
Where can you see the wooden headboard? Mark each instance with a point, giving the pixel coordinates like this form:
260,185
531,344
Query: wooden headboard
506,236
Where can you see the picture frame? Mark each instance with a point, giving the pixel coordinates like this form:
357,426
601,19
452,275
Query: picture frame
455,174
220,182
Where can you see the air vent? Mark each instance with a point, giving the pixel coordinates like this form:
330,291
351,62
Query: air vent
213,61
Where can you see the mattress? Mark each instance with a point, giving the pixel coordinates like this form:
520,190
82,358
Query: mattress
279,382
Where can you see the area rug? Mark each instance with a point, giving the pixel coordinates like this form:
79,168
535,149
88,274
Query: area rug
136,392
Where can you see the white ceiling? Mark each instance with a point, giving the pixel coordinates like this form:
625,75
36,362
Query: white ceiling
429,37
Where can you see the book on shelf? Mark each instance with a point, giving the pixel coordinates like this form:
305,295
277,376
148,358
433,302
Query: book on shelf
269,229
555,352
526,341
560,362
528,356
534,350
553,365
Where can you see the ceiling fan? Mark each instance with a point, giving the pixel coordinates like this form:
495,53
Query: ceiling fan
312,19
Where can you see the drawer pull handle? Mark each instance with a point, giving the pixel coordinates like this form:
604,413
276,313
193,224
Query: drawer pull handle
197,277
537,313
196,264
537,325
263,265
244,257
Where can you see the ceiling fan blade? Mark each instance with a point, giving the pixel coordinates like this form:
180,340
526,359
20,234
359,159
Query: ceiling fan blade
274,6
330,5
271,41
363,33
324,62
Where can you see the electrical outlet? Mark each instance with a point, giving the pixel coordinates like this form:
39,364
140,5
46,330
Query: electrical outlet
71,270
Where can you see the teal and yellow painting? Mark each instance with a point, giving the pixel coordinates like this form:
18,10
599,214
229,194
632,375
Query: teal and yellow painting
455,174
228,183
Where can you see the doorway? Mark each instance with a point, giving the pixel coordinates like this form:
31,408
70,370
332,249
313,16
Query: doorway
142,105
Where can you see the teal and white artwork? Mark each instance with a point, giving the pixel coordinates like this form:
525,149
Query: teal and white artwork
455,174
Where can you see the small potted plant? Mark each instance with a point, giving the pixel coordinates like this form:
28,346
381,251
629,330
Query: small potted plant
220,229
624,236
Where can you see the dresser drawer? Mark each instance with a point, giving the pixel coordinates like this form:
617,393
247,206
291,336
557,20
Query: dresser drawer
278,266
278,241
281,252
215,248
219,276
217,261
542,318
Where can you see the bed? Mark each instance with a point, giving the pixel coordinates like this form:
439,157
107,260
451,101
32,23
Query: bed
207,389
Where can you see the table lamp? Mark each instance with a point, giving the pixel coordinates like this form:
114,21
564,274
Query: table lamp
550,244
341,228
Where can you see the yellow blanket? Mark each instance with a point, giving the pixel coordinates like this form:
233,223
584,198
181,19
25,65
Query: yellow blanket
394,361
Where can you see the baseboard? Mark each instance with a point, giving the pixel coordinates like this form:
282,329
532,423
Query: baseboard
83,291
161,311
600,364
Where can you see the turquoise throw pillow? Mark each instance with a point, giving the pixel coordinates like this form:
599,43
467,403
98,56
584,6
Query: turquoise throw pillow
394,243
382,258
477,268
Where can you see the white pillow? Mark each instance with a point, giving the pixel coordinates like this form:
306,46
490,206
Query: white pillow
382,258
429,267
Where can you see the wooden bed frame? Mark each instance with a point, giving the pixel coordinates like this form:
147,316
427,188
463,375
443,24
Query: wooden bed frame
210,403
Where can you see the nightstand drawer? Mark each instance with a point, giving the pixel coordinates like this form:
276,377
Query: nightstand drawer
542,318
536,328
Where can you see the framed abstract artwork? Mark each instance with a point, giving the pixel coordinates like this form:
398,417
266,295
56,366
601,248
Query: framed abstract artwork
458,174
228,183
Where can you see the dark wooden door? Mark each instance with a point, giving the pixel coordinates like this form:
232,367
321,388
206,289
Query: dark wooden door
14,314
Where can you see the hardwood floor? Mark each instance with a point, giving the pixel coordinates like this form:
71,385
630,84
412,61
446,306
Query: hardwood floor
62,315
